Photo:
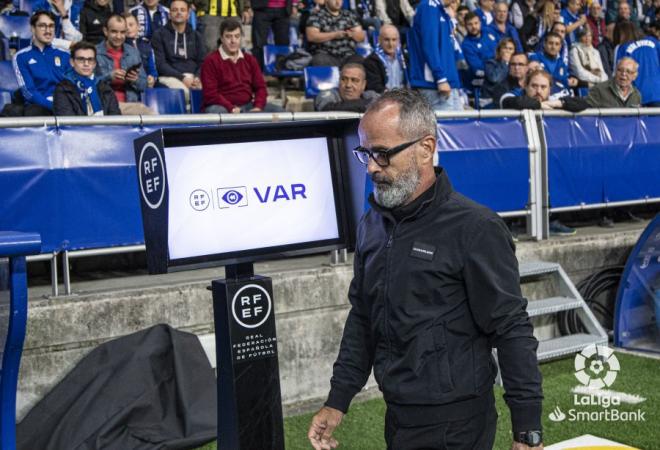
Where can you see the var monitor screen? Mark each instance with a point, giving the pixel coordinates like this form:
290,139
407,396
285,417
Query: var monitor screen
240,194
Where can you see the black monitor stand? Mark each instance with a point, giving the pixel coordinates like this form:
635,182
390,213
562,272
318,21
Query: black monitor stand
249,399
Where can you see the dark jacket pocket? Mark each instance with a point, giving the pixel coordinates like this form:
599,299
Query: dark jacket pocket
444,379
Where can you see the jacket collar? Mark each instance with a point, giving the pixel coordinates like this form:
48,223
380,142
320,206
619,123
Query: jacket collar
441,191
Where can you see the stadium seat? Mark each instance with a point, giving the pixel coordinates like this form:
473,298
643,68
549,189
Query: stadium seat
28,5
8,80
363,51
5,97
196,100
165,100
320,78
271,52
16,26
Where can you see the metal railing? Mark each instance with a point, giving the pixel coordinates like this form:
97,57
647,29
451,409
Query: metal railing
537,211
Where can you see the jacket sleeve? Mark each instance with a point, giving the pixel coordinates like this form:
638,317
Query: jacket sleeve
496,71
595,97
430,26
210,82
27,86
62,105
381,12
258,85
574,104
356,352
519,102
498,308
165,69
108,97
375,74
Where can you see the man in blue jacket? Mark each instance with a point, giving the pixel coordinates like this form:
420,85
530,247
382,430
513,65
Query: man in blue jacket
432,64
501,27
552,62
40,66
478,47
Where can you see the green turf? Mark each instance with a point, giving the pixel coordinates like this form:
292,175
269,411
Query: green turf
362,428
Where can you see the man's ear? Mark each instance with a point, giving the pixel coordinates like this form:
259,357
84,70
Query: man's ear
428,145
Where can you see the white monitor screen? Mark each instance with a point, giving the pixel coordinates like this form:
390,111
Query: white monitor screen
233,197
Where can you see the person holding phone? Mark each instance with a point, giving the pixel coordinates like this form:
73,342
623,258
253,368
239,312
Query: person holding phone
121,65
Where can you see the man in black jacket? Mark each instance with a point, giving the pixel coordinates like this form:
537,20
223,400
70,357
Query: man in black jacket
386,68
436,286
179,51
81,93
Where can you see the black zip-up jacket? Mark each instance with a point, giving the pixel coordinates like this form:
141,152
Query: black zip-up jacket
92,20
67,101
436,286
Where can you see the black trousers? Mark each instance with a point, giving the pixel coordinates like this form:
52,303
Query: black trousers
262,22
474,433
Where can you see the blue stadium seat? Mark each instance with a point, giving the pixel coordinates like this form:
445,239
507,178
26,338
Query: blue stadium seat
165,100
271,52
363,51
5,97
196,99
8,80
28,5
320,78
18,26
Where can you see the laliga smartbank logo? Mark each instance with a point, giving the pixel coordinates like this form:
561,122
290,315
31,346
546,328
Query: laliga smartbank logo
596,368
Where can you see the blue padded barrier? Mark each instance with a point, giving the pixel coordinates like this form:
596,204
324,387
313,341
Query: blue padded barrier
602,159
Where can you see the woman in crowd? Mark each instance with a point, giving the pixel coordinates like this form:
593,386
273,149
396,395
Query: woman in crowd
498,69
585,62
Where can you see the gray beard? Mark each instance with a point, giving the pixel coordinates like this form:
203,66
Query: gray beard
390,193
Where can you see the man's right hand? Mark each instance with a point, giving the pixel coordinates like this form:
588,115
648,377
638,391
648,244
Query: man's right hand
323,425
444,89
236,110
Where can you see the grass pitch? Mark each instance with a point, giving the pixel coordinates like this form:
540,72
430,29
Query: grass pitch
362,428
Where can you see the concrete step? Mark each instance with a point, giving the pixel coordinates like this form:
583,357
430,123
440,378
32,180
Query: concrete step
533,268
552,305
566,345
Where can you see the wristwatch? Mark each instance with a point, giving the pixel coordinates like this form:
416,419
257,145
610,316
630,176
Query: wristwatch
532,438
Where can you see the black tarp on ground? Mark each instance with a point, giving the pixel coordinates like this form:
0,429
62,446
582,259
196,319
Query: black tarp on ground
153,389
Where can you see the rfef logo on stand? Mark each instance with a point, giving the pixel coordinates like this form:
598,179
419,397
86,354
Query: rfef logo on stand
151,170
251,306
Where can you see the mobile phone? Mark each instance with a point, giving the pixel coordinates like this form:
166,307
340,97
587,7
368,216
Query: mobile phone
135,67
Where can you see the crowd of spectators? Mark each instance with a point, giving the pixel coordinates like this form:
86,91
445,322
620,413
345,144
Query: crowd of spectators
458,53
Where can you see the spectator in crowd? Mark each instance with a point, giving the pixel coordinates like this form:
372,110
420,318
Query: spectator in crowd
351,95
552,62
232,80
619,92
67,15
179,51
432,63
596,23
120,64
497,70
651,14
514,82
645,50
81,93
573,20
485,12
150,15
143,45
538,24
501,27
606,49
332,33
386,67
537,95
211,13
366,12
271,15
92,18
617,12
478,47
585,60
40,66
520,11
459,27
560,29
399,13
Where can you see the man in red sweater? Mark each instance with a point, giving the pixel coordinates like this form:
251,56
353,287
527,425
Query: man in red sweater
231,80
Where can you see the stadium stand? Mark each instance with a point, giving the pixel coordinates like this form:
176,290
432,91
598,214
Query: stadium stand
319,78
165,100
15,26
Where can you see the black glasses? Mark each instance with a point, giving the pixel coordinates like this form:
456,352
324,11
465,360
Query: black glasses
381,155
83,60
